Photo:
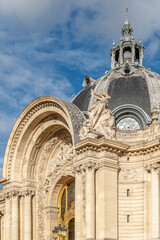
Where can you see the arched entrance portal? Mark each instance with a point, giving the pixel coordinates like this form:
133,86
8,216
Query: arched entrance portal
67,208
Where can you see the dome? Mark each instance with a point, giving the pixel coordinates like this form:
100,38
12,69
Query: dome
133,88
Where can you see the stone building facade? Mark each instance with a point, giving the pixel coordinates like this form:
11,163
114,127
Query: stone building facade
92,164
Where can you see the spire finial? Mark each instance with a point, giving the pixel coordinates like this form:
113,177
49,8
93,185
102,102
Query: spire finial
127,30
126,12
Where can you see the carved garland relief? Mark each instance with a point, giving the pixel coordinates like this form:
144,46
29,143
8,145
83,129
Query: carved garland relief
23,123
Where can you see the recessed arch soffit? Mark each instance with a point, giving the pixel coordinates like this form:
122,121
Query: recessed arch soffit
33,115
36,142
53,169
152,79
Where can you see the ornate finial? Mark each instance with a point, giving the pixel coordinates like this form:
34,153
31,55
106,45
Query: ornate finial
127,12
114,44
154,114
140,42
127,29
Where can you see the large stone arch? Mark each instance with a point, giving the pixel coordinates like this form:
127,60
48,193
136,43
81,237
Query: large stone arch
39,159
42,116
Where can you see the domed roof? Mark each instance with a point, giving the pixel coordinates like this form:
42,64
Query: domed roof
134,89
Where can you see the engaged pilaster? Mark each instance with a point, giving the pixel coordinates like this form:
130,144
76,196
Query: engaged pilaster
7,220
28,214
99,158
155,200
154,169
90,200
79,203
15,215
106,202
1,225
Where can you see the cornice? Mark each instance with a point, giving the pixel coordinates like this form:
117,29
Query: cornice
4,181
90,143
145,148
117,147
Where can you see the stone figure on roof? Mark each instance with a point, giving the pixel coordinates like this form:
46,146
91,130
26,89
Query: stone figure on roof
101,123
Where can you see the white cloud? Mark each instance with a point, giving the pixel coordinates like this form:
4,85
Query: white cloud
31,58
107,19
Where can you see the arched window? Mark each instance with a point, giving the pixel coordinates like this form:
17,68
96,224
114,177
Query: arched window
67,208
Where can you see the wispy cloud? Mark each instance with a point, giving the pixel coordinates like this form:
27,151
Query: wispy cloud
46,47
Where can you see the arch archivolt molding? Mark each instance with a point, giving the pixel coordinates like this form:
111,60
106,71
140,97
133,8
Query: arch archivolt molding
31,119
36,142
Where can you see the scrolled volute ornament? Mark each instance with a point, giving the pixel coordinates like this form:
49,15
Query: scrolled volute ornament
28,192
79,169
153,167
91,165
156,167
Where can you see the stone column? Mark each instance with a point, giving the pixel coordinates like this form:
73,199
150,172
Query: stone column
7,221
15,216
79,203
112,59
106,203
121,54
28,214
141,56
2,225
34,216
90,200
147,199
133,52
21,220
155,218
51,221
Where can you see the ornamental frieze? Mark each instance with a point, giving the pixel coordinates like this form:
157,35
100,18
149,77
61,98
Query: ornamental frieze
133,174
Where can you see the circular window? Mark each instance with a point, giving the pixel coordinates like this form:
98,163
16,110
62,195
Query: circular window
128,123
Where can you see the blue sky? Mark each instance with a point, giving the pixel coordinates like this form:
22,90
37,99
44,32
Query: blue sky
47,47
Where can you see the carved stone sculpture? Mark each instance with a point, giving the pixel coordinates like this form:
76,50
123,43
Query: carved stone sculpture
101,123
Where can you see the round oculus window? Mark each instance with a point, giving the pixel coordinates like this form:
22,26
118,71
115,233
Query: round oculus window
128,124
